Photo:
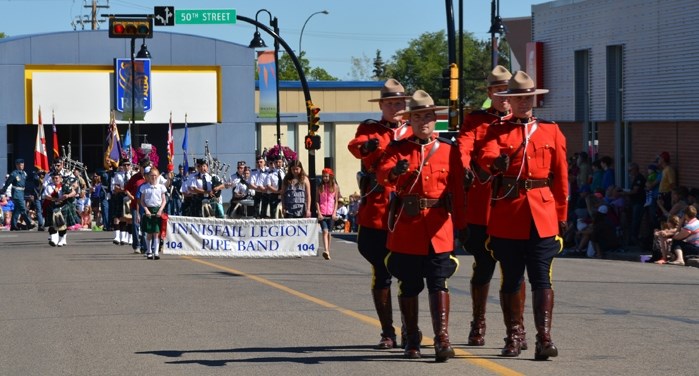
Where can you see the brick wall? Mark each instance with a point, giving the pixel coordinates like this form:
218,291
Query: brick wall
648,139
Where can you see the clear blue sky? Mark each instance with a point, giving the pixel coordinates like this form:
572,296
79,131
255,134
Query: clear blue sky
353,28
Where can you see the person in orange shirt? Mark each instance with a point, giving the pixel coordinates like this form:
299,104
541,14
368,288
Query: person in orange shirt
529,211
370,141
428,206
471,139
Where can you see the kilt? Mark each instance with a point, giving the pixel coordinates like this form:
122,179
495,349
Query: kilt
70,215
151,224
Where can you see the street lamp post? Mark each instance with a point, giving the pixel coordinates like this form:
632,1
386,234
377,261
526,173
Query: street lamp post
496,27
258,42
304,27
304,87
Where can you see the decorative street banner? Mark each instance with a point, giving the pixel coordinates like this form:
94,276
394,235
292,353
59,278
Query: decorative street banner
266,68
142,89
252,238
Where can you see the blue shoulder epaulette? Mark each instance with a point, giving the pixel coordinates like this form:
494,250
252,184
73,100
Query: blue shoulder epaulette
446,140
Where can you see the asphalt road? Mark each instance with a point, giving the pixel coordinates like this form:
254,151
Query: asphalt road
92,308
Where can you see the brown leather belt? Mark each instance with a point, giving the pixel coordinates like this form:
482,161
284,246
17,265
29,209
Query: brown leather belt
426,203
526,184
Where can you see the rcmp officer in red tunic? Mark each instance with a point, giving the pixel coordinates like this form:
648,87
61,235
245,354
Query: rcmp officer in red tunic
528,157
429,203
471,139
368,145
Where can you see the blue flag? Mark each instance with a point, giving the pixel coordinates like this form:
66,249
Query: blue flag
185,147
126,144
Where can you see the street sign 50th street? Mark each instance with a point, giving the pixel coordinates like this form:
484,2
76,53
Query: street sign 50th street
164,16
205,16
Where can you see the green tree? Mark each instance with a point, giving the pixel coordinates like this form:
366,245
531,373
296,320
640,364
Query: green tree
361,66
420,66
288,72
2,35
379,66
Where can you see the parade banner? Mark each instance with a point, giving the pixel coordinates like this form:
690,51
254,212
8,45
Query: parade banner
250,238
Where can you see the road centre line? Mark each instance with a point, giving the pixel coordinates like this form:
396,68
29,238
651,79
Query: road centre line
462,354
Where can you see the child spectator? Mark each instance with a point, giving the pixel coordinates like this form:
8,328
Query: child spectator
603,235
341,214
152,200
326,206
686,241
662,239
353,209
7,207
97,194
84,209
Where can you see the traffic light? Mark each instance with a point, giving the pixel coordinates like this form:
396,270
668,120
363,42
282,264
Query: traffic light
314,118
450,83
312,142
454,82
130,27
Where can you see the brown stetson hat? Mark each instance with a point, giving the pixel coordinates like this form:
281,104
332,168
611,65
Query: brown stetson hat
521,85
421,102
499,76
392,89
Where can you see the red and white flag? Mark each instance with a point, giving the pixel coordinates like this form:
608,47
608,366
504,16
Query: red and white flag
41,160
55,137
170,147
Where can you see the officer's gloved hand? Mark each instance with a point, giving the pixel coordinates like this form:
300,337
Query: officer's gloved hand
400,168
502,163
371,145
462,235
562,228
468,178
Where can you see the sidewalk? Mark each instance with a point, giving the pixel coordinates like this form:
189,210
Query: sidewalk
628,253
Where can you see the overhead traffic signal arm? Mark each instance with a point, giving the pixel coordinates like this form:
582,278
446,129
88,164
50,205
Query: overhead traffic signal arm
122,27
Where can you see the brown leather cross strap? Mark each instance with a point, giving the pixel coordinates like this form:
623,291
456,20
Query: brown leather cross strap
527,184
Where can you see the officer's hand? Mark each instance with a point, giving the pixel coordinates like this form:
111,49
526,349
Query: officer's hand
502,163
462,235
562,228
400,168
371,145
468,178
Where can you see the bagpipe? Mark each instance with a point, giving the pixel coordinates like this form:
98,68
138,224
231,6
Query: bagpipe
71,165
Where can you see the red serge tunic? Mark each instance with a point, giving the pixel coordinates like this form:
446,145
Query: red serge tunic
471,140
545,157
440,174
373,209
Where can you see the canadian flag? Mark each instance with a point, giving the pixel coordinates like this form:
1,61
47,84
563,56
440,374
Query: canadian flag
170,147
41,159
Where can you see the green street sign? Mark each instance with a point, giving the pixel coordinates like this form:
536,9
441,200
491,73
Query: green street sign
204,16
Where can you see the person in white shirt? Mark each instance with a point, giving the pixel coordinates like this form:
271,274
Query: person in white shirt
152,201
274,186
257,182
84,209
122,214
342,211
243,194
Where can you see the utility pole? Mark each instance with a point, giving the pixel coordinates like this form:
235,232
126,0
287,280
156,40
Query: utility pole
92,20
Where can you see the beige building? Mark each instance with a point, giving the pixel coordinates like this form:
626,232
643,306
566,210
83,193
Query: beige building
343,106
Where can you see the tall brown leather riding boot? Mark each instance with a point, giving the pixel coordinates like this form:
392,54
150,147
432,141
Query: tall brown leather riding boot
543,314
479,299
409,309
512,313
439,309
384,309
523,332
